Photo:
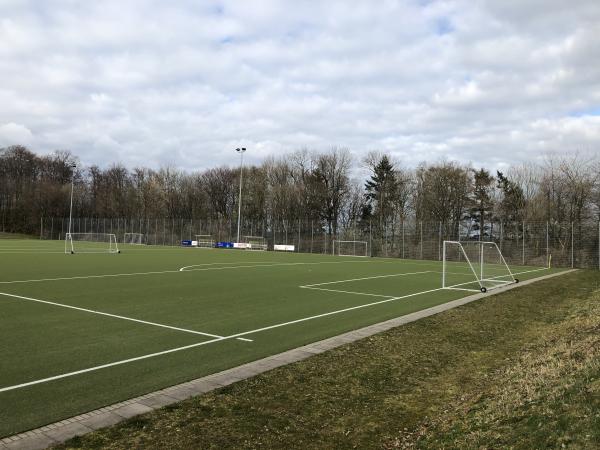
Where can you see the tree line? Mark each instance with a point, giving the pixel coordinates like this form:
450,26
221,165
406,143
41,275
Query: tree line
321,187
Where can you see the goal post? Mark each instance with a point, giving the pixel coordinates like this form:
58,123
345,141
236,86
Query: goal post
134,239
474,266
350,248
255,243
91,243
204,241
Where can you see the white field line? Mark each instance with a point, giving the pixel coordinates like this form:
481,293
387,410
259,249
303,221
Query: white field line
158,272
369,278
115,316
500,276
104,366
30,253
233,336
346,292
264,264
492,279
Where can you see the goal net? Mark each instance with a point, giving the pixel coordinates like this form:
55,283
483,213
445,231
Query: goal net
255,243
474,266
350,248
134,239
91,243
204,241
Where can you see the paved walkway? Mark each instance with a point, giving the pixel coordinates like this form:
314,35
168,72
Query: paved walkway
58,432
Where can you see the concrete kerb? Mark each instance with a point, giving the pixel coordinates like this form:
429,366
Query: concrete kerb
58,432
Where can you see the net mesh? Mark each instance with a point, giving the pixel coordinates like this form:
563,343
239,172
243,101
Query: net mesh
350,248
91,243
205,241
133,238
474,265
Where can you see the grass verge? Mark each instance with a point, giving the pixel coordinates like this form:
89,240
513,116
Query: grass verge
518,370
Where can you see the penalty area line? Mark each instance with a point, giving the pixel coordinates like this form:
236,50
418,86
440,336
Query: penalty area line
233,336
114,316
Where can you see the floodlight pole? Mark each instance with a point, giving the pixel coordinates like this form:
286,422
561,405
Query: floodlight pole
73,167
241,152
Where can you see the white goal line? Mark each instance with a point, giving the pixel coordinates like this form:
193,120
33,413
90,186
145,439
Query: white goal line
199,344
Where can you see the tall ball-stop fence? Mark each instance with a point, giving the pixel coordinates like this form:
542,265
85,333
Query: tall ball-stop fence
572,244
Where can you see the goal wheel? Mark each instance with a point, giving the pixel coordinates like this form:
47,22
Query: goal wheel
119,251
72,252
516,280
483,290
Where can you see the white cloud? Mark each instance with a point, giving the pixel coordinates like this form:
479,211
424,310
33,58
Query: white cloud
147,82
14,134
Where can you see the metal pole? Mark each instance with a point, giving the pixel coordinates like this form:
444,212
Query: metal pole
71,207
440,242
547,245
421,245
444,265
312,235
370,238
402,238
523,243
299,225
572,249
241,152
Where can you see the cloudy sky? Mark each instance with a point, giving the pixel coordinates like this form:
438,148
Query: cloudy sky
143,82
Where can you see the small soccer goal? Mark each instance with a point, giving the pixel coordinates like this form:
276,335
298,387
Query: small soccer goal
91,243
204,241
476,266
350,248
255,243
134,239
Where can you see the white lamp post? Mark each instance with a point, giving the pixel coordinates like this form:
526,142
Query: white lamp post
241,152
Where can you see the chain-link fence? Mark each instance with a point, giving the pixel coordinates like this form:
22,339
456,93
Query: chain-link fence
536,244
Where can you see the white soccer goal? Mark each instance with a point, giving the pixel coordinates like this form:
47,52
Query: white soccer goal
134,238
255,243
205,241
474,266
91,243
350,248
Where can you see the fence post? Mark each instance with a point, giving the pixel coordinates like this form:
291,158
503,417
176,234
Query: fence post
523,242
572,247
440,243
421,244
370,238
547,245
312,235
41,227
299,226
402,238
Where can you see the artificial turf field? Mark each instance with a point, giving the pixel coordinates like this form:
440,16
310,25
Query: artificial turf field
82,331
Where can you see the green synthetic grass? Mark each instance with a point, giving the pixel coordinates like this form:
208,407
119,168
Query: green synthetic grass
520,370
226,292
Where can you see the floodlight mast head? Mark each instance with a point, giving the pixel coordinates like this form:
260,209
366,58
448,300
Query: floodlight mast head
241,151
